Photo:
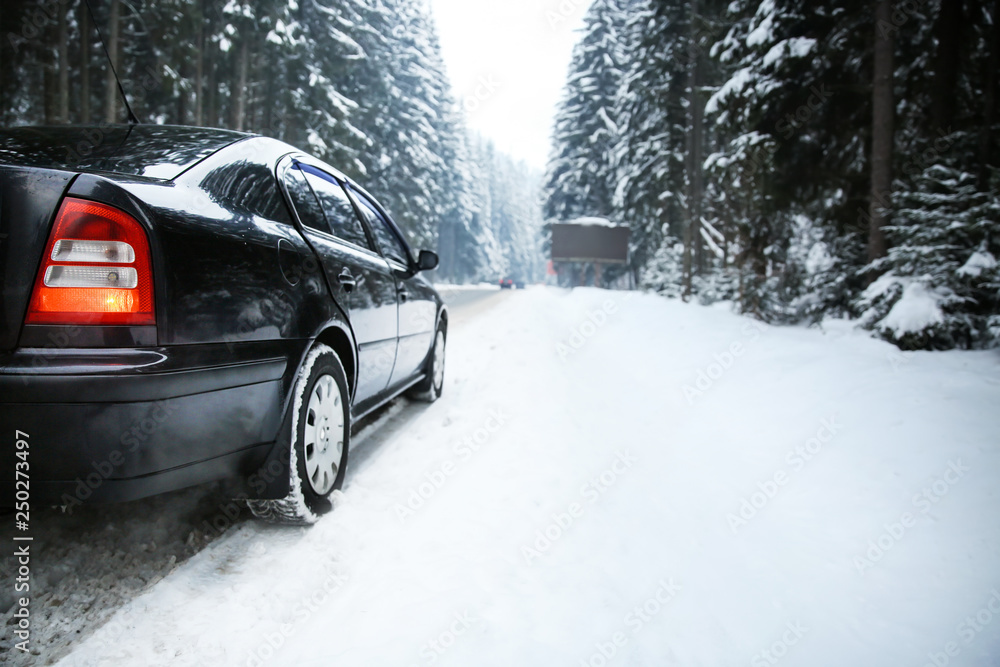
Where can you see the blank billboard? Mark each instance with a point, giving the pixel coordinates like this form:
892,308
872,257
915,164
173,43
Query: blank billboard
590,243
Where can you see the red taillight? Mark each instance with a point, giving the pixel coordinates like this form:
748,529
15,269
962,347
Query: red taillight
96,269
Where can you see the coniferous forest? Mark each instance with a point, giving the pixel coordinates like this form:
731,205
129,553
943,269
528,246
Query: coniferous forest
358,83
801,159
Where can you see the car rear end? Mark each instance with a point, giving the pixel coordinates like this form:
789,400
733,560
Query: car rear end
93,404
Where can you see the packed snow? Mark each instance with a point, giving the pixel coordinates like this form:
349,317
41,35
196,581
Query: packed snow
795,47
617,478
918,309
980,261
592,222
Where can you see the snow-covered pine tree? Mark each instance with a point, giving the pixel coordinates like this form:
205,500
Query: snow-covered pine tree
481,241
316,42
460,255
514,214
790,153
406,95
938,285
580,178
663,140
940,282
650,114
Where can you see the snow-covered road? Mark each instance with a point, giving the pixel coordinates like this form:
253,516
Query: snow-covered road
618,479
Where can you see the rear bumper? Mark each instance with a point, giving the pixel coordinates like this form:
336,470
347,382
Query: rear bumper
114,425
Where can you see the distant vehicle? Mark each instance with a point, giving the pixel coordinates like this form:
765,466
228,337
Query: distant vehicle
506,283
183,305
519,284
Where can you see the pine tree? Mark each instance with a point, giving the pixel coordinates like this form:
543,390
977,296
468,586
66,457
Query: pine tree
508,222
580,181
650,153
789,113
940,279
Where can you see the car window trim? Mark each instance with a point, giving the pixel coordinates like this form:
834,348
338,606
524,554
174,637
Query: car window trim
323,174
286,163
327,236
281,168
319,203
355,191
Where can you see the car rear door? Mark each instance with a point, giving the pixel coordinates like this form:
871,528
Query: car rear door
360,279
417,307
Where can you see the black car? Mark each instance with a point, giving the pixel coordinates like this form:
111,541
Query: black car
182,305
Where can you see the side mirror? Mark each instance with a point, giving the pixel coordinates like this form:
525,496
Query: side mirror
428,261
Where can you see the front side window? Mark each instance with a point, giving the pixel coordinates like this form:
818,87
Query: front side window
391,246
344,224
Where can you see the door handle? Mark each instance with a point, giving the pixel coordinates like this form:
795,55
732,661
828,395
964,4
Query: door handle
403,294
347,281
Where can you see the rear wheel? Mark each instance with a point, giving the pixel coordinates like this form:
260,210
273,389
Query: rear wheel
430,388
319,436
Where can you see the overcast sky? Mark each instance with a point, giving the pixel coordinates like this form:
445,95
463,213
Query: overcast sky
508,60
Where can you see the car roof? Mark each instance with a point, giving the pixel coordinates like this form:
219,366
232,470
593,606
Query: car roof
154,151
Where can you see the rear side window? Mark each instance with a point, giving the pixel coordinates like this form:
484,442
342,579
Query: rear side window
248,187
340,217
305,202
391,246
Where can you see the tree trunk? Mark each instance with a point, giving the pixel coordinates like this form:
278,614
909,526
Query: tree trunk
270,100
695,183
49,76
84,63
882,131
948,31
199,77
49,56
182,98
240,88
212,86
696,174
62,46
252,104
989,102
111,85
